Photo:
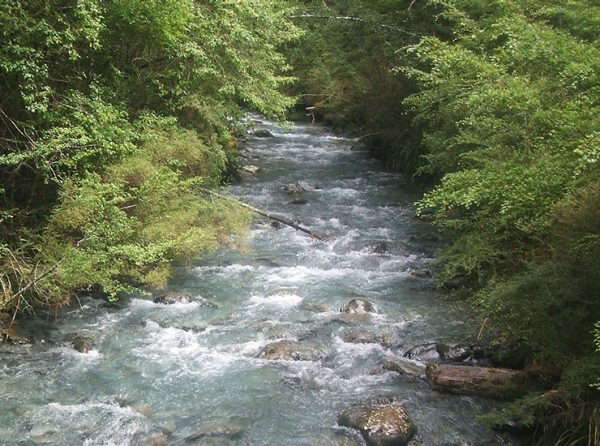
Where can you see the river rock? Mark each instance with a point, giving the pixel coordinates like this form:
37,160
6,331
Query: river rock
299,201
421,273
335,439
42,432
423,352
276,224
263,133
453,352
403,366
319,307
80,342
359,306
378,248
381,421
293,189
172,297
155,439
368,337
291,351
251,169
222,429
15,335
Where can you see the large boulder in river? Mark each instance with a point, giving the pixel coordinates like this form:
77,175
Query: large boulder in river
381,421
291,351
359,306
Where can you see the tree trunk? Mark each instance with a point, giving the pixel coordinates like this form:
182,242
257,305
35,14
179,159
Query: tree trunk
485,382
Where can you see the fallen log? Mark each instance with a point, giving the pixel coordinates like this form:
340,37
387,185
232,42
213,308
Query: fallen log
487,382
269,215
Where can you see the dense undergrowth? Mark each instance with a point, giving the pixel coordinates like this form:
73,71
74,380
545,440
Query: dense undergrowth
496,103
112,115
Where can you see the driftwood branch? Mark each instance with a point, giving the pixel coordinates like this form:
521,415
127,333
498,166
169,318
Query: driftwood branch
487,382
267,214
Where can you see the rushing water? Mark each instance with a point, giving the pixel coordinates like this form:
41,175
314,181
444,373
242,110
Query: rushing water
174,370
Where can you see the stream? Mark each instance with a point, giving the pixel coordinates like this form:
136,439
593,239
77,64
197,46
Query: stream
191,372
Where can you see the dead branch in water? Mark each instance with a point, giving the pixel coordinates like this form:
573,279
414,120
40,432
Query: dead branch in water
269,215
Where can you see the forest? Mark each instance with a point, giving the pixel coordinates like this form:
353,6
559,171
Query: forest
116,115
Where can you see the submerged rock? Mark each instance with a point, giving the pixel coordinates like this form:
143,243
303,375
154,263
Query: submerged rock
263,133
359,306
421,273
368,337
319,307
378,248
80,342
172,297
381,421
299,201
291,351
155,439
403,366
276,225
293,189
222,430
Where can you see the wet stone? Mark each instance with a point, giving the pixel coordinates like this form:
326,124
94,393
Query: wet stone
359,306
293,189
319,307
453,352
223,430
378,248
262,133
299,201
291,351
80,342
382,422
423,352
368,337
251,169
403,367
156,439
172,297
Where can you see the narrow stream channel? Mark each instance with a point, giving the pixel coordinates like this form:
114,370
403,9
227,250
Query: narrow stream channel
171,371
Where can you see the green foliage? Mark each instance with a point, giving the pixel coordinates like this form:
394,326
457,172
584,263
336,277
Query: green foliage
498,102
113,114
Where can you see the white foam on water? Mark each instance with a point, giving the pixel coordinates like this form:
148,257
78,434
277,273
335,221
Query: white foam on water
297,275
69,352
284,298
342,192
180,307
104,424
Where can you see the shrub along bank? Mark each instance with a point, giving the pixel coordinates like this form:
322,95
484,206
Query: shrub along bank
497,104
113,113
